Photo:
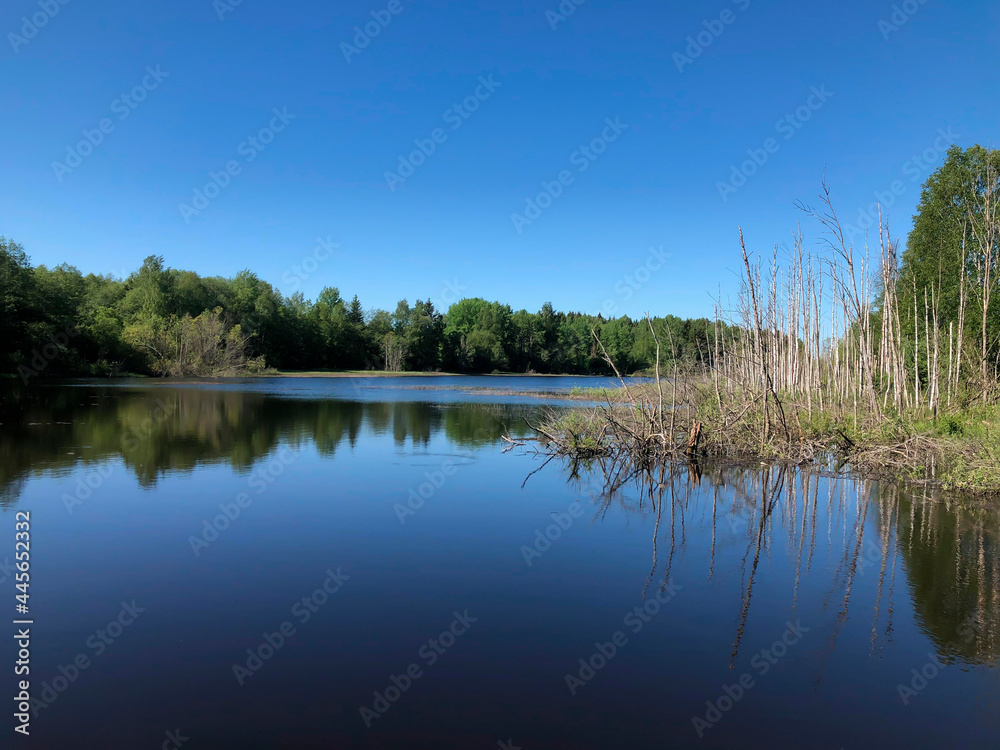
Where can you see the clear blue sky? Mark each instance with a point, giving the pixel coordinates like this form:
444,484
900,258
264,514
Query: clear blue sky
324,173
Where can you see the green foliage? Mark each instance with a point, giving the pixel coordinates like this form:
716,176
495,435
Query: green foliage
934,248
19,303
165,321
952,427
942,246
204,346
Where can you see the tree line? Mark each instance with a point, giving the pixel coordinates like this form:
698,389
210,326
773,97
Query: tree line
165,321
907,327
888,359
871,329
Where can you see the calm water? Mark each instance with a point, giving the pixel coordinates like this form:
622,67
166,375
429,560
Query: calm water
325,563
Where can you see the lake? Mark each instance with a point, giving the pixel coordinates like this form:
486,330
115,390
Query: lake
366,563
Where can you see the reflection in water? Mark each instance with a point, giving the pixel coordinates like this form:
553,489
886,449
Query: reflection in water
159,430
831,530
948,546
953,566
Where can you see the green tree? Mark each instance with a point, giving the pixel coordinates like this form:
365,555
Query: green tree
424,337
19,303
940,246
149,292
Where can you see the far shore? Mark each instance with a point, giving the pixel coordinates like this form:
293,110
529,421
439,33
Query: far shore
307,374
388,374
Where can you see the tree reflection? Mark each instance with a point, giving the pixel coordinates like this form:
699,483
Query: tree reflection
947,546
159,430
951,547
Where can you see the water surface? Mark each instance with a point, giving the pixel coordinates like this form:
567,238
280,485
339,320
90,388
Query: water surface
714,606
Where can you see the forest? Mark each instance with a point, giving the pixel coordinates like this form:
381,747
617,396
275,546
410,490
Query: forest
907,326
887,356
164,321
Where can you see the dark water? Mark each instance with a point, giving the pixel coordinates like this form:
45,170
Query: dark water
369,544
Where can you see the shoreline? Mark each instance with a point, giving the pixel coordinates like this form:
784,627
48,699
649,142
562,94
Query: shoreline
303,374
956,452
413,374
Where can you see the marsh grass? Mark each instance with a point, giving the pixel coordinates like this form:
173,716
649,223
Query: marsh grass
813,362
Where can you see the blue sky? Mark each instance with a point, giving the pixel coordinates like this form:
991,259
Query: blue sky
805,88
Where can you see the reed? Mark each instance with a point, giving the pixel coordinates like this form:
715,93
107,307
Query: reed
814,361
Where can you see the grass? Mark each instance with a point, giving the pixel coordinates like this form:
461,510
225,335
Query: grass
350,374
412,373
595,394
957,449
